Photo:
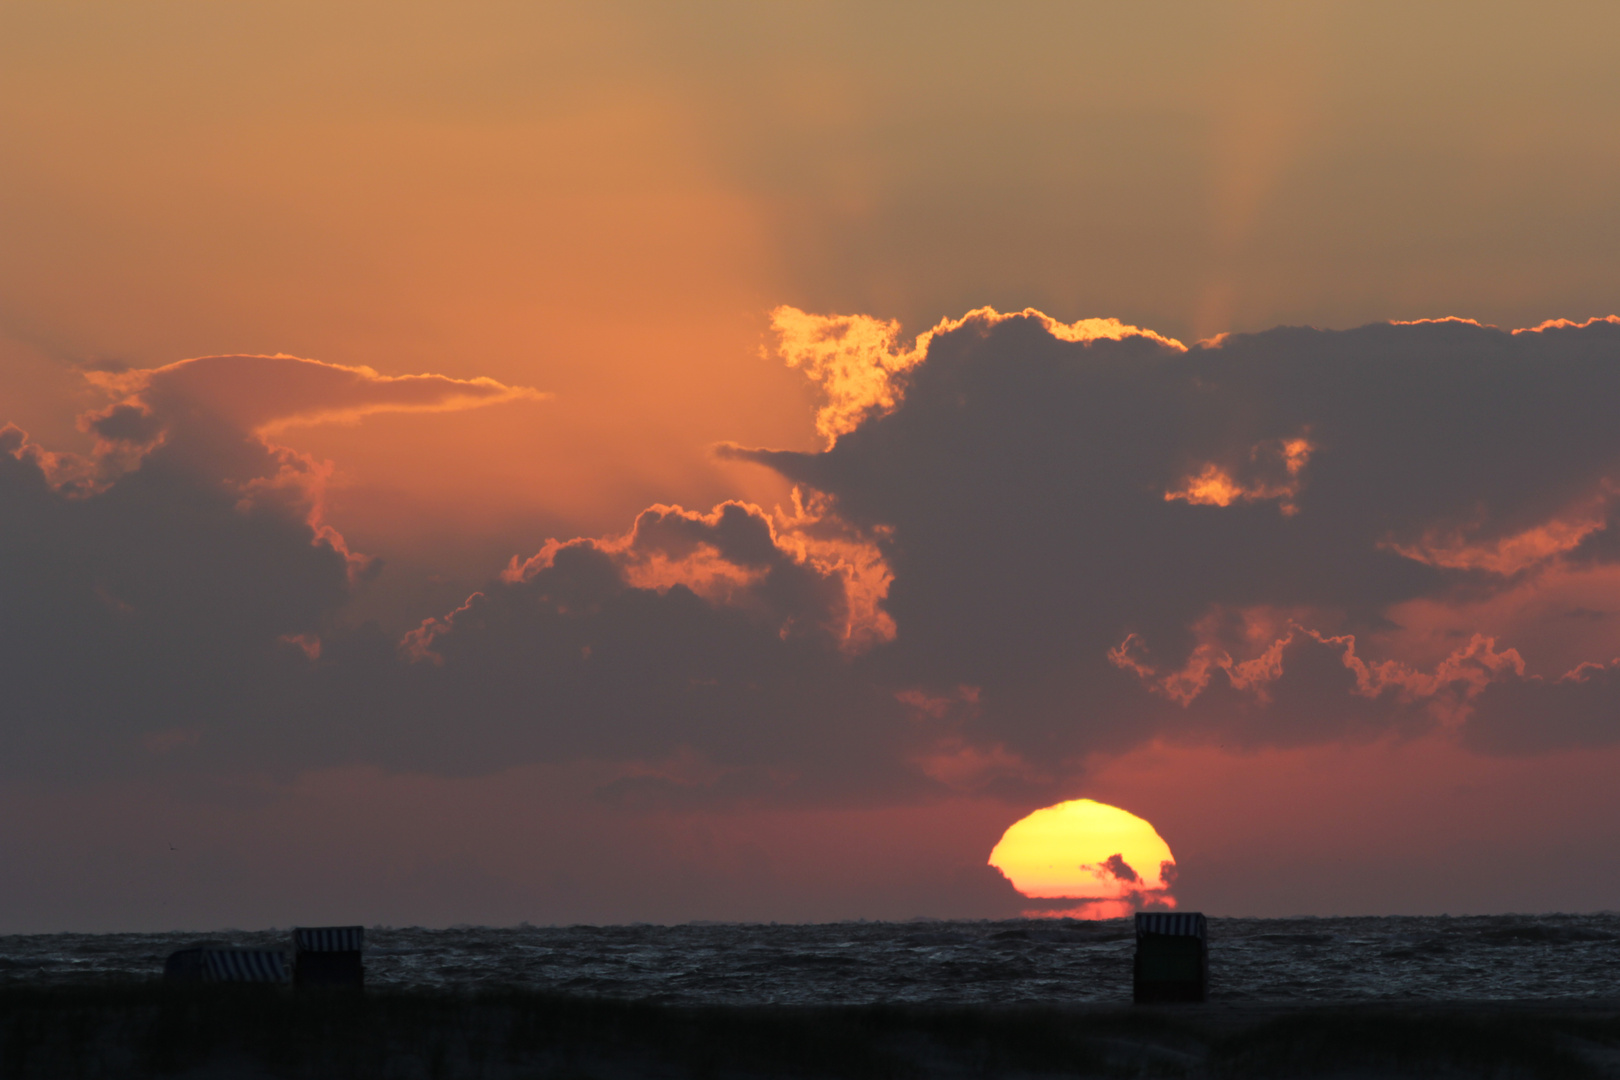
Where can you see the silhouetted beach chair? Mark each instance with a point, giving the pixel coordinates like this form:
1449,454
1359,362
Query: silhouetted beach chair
1172,956
223,964
329,956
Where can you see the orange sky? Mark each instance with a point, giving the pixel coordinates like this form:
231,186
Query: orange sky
603,202
599,208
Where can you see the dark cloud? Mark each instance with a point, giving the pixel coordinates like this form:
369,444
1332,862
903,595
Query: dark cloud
1525,715
164,598
146,613
1040,500
172,619
1120,869
1026,542
127,423
728,646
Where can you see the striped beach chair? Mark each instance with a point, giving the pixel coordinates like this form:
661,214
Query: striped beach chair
223,964
1172,956
329,956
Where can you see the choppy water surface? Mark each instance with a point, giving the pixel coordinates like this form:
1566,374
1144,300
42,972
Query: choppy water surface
1014,962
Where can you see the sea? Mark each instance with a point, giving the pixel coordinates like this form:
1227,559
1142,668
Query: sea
1016,962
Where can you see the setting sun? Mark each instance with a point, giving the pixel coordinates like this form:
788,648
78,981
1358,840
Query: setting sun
1110,859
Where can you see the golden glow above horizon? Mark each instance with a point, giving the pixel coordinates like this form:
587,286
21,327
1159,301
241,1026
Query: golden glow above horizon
1089,851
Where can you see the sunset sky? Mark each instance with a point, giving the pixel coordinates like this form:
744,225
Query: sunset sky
589,463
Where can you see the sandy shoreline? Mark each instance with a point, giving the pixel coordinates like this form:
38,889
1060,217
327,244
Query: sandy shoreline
137,1030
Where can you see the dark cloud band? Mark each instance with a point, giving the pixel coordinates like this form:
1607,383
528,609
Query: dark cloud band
1026,542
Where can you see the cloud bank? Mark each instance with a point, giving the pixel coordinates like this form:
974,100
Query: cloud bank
1026,542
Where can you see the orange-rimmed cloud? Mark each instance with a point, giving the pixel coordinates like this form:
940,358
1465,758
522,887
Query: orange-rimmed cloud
1443,320
265,394
1505,555
1540,328
1559,615
214,416
72,475
1275,471
1186,683
1568,324
812,533
804,569
860,363
1446,690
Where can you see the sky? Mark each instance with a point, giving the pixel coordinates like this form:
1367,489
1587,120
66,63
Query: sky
636,461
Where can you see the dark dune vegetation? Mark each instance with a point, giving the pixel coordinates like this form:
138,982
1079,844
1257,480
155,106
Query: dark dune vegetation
152,1030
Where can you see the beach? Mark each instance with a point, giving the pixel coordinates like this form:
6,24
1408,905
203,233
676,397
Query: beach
148,1029
1485,996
